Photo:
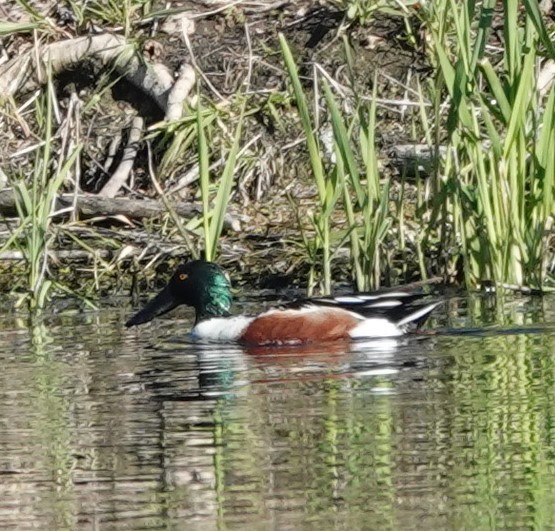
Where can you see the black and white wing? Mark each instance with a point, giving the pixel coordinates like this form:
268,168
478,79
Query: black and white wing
400,307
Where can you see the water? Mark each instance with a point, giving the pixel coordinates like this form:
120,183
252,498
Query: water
107,428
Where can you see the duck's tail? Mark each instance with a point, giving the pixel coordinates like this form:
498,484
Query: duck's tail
418,315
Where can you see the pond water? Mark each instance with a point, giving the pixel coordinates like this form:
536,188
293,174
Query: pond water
108,428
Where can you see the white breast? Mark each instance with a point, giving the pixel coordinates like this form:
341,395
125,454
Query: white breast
222,329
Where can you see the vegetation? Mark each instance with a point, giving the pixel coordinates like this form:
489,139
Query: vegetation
291,141
491,199
343,181
495,186
35,203
482,211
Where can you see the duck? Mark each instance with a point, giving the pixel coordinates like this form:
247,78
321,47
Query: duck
206,287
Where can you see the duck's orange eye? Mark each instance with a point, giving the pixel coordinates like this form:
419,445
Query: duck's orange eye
183,276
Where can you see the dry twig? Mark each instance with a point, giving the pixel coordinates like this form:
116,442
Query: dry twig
120,176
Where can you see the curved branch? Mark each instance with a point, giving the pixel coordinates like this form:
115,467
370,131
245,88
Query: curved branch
118,178
28,71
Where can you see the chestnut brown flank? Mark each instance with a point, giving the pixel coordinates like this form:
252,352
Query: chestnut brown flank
300,326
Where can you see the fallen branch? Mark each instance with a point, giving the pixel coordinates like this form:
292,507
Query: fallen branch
179,92
70,254
94,205
28,71
119,177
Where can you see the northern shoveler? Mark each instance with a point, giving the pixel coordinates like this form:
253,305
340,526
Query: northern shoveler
205,287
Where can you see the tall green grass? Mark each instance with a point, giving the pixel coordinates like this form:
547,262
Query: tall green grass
494,191
329,186
350,183
213,212
36,203
490,202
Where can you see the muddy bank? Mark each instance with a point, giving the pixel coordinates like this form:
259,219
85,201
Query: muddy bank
273,180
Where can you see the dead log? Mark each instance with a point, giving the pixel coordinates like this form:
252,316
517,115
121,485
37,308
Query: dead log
94,206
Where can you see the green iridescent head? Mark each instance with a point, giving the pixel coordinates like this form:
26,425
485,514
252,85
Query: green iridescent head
202,285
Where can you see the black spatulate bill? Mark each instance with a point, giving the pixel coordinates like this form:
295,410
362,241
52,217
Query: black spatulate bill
161,304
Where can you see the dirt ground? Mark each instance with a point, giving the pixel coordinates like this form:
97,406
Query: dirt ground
224,43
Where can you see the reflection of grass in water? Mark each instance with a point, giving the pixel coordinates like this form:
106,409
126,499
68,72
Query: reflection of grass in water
219,467
462,441
52,429
308,438
502,389
359,455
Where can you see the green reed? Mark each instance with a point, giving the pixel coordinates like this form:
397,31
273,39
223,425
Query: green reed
488,203
328,186
36,206
350,185
213,212
489,200
365,199
494,190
